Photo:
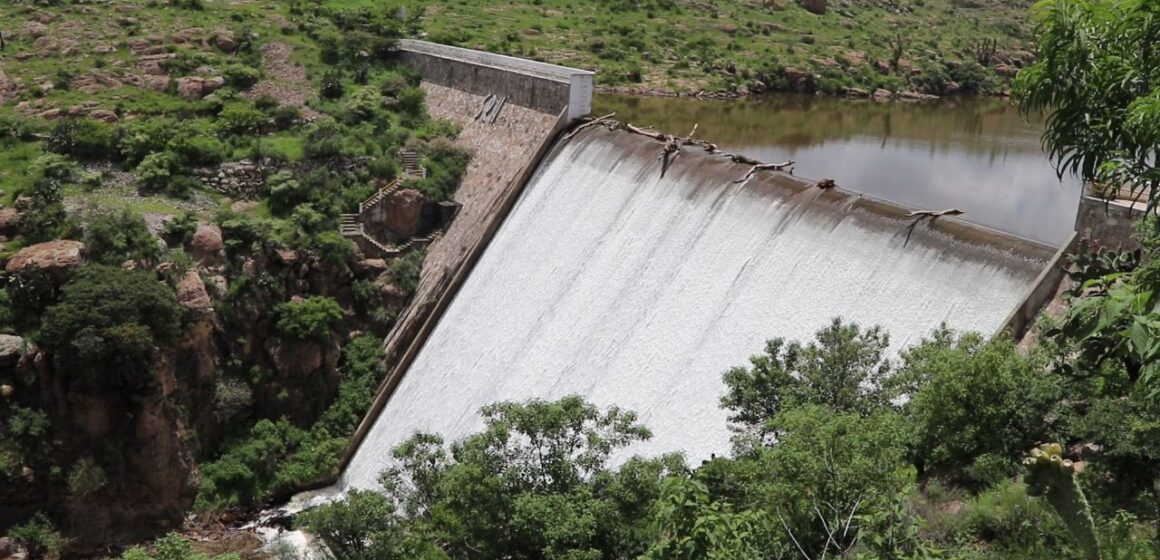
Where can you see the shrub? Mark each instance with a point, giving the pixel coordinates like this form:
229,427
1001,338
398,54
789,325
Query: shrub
199,149
172,547
179,230
331,86
117,236
310,318
85,478
405,271
139,138
82,138
446,163
240,118
411,101
104,329
364,525
285,192
38,537
240,76
157,169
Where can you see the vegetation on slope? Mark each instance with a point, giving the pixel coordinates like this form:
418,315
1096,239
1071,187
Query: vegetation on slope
838,452
197,334
747,46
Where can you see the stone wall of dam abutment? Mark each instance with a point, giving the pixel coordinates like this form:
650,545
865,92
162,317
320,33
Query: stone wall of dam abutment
543,87
1109,222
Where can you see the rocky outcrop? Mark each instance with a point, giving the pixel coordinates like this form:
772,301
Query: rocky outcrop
192,295
404,212
207,245
54,256
197,87
9,222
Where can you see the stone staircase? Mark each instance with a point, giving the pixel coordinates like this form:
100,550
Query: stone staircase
379,196
351,226
411,167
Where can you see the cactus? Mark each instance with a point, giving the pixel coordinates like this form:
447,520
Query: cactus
1053,477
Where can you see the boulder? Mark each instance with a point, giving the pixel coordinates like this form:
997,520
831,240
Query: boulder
192,295
191,87
854,92
371,267
104,115
815,6
404,212
9,222
883,94
53,256
196,87
207,245
224,41
11,348
1006,71
33,29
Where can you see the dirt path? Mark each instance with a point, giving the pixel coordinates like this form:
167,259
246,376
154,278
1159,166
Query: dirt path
284,79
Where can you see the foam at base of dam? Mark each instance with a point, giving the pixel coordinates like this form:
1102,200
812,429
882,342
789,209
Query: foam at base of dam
611,282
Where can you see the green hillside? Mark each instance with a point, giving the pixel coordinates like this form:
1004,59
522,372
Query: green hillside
688,46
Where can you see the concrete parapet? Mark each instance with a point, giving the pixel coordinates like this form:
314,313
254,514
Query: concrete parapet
1111,222
540,86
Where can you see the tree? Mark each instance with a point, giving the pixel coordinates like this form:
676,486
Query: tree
828,467
842,370
1097,79
106,325
975,404
532,484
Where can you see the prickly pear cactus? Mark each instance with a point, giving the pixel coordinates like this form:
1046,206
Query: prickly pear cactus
1053,477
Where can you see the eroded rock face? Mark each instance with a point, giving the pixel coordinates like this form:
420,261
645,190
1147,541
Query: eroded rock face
404,212
53,256
192,295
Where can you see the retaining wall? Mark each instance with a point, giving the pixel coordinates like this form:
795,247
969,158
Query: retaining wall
1111,222
544,87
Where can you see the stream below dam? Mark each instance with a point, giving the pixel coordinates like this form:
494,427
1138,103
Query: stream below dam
973,153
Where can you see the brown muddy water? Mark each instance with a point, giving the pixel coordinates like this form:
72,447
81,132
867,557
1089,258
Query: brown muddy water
976,154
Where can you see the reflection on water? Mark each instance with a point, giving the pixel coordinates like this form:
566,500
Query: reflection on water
975,154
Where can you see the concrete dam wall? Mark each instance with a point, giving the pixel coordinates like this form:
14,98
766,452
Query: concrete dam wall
609,281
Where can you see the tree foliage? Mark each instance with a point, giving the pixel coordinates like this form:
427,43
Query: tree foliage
1097,78
106,325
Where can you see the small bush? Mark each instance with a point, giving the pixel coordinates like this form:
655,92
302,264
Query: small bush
240,76
240,118
199,150
115,237
38,537
82,138
405,271
310,318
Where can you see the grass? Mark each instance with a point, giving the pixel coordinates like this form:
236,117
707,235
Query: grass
692,45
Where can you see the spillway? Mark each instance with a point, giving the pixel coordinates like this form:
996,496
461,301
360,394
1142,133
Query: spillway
609,281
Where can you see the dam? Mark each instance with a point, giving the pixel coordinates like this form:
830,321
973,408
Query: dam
635,288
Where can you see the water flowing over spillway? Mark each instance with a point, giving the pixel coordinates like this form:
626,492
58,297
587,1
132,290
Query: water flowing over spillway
611,282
